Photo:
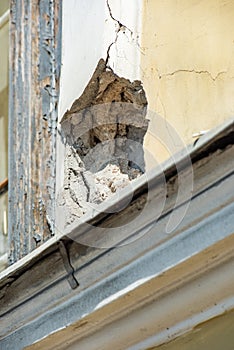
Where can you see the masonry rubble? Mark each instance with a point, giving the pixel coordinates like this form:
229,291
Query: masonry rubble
103,134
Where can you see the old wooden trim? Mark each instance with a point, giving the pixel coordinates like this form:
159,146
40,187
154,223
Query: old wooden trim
34,89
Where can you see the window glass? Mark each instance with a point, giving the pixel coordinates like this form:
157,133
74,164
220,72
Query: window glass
4,49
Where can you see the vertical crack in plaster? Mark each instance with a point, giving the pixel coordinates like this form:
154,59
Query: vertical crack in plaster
121,27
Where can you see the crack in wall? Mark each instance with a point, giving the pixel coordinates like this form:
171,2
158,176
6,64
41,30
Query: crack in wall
121,25
173,73
121,28
214,78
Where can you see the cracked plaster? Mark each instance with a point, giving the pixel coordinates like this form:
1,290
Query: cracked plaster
187,66
101,37
192,71
182,52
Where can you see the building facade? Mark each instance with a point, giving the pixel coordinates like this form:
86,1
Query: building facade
150,267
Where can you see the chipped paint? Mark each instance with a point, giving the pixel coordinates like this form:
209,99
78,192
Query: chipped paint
34,88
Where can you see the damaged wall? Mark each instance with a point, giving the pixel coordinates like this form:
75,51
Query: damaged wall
187,65
91,30
181,52
107,30
103,134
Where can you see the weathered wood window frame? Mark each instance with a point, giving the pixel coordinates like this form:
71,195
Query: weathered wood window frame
35,59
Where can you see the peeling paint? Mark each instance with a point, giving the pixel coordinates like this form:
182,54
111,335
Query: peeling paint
34,77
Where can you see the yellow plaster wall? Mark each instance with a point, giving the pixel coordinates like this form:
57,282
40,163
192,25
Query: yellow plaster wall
187,65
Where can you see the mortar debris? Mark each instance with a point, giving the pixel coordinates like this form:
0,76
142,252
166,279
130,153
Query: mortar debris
103,134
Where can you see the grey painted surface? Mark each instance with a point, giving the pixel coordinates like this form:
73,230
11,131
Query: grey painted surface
34,79
155,262
30,311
